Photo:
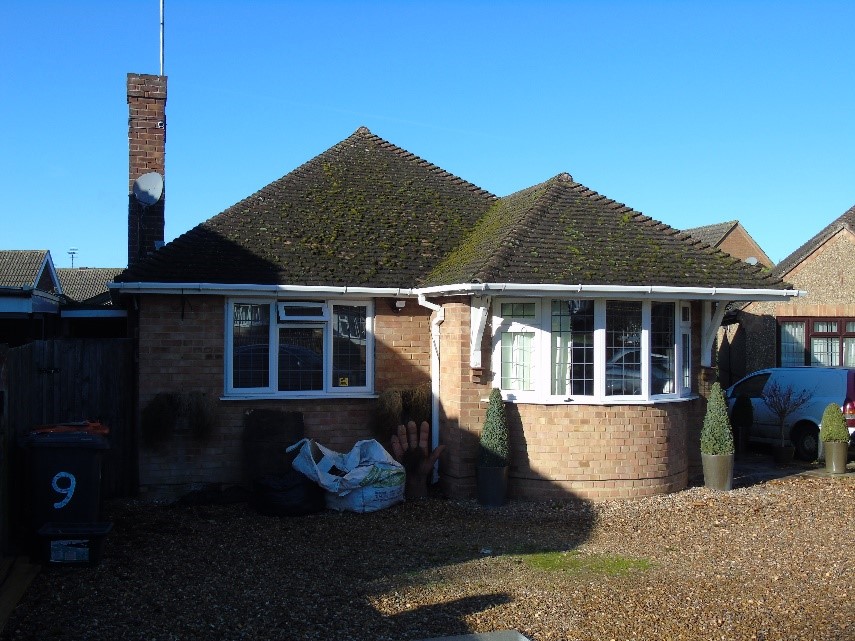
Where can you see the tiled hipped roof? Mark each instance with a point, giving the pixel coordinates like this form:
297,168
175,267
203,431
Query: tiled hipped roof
561,232
844,221
363,213
368,213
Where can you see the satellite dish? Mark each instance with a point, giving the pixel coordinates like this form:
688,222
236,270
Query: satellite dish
752,260
148,188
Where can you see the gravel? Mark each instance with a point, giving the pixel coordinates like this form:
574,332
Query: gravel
772,561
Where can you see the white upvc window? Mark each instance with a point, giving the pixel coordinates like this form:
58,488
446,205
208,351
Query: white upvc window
299,348
553,350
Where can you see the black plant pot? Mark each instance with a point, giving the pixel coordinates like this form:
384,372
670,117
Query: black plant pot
783,454
492,486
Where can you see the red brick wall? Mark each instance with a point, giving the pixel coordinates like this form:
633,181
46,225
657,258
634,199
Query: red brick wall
146,153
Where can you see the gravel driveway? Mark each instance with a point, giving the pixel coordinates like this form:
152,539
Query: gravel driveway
772,561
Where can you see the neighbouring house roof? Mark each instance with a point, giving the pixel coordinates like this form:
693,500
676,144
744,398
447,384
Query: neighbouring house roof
733,238
368,213
712,235
27,269
844,221
87,284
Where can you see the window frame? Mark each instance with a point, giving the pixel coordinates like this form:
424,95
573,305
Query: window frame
810,333
542,357
279,319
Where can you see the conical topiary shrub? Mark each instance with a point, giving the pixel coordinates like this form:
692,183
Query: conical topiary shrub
495,448
492,472
835,438
833,428
717,443
717,433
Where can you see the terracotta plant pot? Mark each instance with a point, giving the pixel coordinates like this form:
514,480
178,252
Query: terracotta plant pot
836,455
492,486
718,471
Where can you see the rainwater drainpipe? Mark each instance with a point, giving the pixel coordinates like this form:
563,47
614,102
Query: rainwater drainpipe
434,375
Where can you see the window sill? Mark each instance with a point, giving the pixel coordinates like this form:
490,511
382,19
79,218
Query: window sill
659,400
295,397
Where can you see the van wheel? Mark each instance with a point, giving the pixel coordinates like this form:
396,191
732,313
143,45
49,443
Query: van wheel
806,440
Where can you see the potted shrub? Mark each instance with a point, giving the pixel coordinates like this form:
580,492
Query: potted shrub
492,472
783,401
835,439
717,443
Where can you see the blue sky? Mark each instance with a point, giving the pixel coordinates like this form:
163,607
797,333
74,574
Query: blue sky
690,112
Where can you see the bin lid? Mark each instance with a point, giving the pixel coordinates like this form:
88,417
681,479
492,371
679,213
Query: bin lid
82,440
91,427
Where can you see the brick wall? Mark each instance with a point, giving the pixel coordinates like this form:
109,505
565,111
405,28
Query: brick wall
589,451
181,350
739,244
146,153
828,277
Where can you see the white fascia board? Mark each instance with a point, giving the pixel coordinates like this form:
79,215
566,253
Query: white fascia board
659,292
270,290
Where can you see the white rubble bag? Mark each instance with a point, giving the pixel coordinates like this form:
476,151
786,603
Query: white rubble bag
364,480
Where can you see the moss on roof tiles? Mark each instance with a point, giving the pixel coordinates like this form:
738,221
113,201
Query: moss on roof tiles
561,232
368,213
365,212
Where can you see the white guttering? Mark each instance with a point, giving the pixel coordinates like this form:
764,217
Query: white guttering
243,290
613,291
434,373
484,289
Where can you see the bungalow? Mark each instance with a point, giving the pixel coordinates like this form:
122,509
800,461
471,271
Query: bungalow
369,269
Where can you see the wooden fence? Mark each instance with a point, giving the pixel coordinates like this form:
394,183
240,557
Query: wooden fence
56,381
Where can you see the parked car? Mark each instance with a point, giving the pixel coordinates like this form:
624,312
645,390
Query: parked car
825,384
623,373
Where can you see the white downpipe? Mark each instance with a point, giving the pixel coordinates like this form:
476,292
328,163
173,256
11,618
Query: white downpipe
434,375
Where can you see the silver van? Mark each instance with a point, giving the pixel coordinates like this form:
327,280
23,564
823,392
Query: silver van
824,384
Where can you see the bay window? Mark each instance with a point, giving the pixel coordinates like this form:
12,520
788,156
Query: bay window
566,350
298,348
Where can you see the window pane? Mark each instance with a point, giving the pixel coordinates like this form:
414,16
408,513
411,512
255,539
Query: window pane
792,344
849,352
251,346
623,347
850,327
687,361
573,347
517,348
301,359
349,345
518,310
662,348
825,351
825,326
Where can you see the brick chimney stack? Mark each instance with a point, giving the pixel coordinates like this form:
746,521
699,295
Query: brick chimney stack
146,153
